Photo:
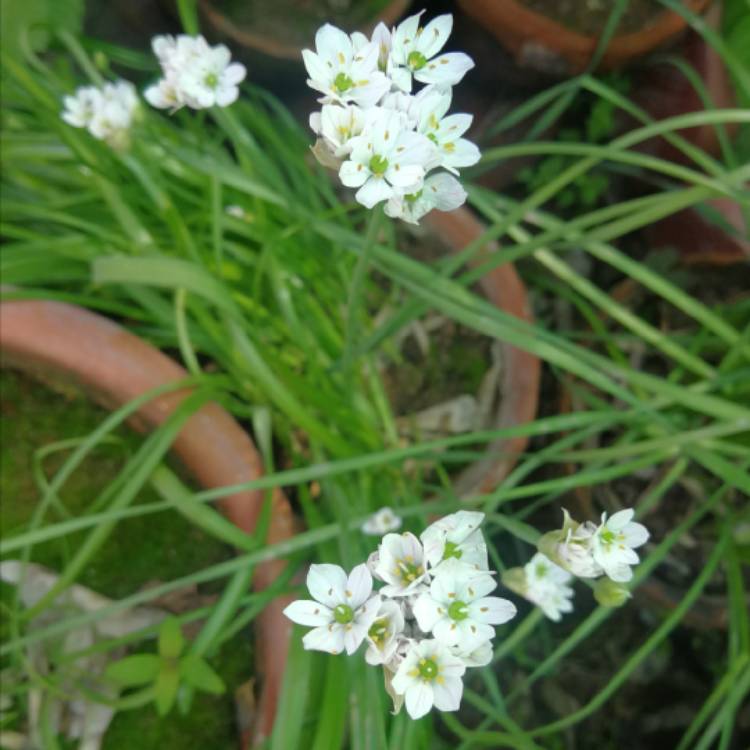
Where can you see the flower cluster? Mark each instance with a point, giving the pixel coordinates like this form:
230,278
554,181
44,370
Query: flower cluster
543,583
195,74
107,112
590,551
393,145
431,620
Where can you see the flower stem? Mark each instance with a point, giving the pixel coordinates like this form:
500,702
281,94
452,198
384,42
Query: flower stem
356,289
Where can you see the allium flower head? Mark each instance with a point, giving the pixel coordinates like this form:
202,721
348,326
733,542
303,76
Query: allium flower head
543,583
613,543
457,610
381,139
430,674
456,536
381,522
343,609
194,74
107,112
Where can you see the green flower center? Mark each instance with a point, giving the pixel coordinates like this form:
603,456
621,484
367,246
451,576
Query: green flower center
379,631
342,83
378,165
433,138
416,60
211,80
409,571
413,197
458,611
541,570
452,550
608,537
428,669
343,614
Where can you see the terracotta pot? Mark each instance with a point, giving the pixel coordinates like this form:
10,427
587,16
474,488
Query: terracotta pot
519,395
56,340
540,42
278,45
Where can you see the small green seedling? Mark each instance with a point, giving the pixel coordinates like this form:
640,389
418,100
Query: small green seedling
166,670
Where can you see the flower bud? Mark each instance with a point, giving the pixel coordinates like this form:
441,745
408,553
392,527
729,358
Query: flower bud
610,593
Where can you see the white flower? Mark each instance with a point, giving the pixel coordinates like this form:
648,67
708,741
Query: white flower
381,522
431,105
546,586
212,79
413,53
429,675
480,656
457,610
441,191
381,37
383,635
571,548
81,106
342,612
195,74
342,73
613,543
338,125
387,159
107,112
400,563
456,536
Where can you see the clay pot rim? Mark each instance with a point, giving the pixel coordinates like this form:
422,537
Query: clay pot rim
522,22
274,48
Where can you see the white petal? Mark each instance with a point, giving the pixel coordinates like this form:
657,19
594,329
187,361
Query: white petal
636,534
448,693
621,519
330,41
316,68
408,177
401,78
446,631
478,585
404,37
447,69
373,192
435,35
324,638
234,73
358,586
353,637
327,584
306,612
427,612
492,610
226,95
353,174
419,698
620,572
448,194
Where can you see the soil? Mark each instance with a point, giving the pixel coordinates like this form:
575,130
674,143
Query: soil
589,16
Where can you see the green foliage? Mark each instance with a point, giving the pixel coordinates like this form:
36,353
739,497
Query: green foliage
597,117
167,670
31,24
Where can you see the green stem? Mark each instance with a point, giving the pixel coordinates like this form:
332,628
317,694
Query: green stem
355,290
